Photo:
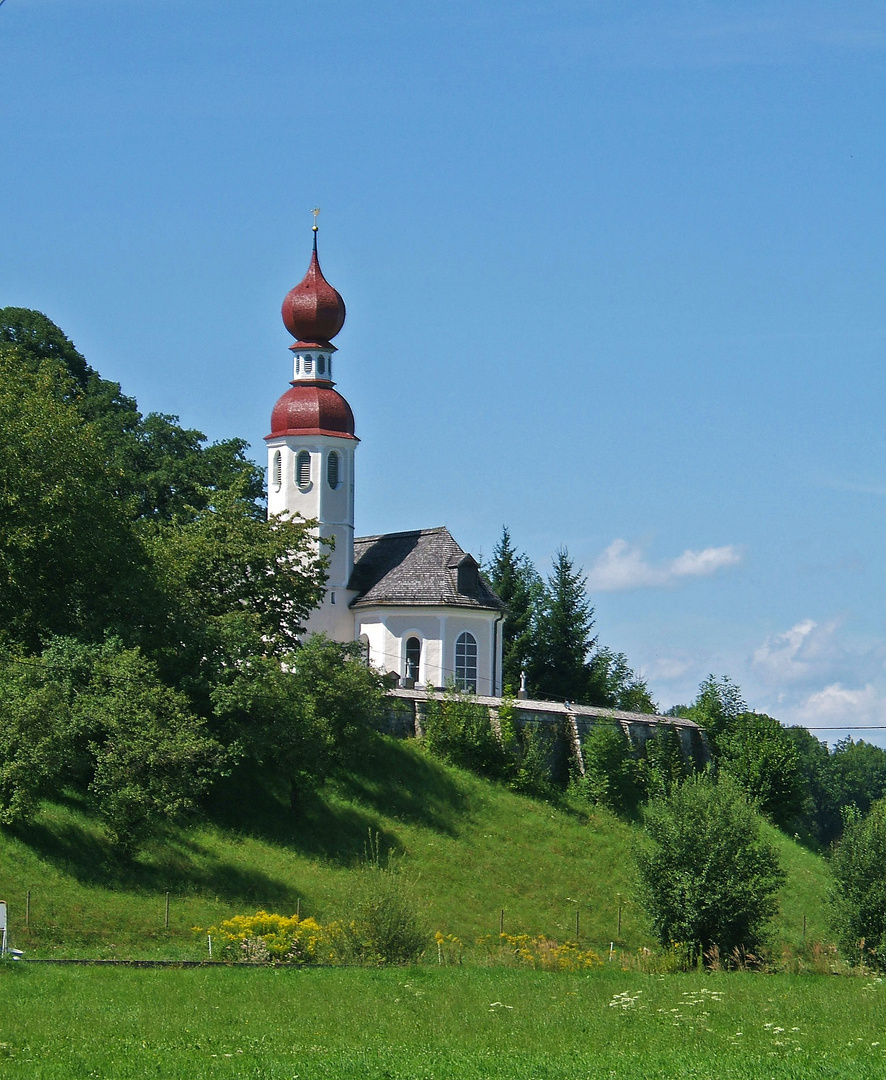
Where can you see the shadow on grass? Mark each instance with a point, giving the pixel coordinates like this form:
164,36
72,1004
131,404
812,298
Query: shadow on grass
173,860
333,822
398,781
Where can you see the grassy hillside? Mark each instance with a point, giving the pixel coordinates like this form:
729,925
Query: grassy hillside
472,848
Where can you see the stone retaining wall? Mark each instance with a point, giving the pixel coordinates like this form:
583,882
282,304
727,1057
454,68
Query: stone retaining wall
559,725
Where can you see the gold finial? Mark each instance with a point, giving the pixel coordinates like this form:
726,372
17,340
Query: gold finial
315,212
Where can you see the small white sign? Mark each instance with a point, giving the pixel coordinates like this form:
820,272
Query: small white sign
2,915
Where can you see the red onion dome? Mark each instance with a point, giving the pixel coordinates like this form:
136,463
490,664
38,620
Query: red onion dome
314,312
312,408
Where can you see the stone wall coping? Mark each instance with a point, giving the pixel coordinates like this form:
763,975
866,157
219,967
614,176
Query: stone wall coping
556,708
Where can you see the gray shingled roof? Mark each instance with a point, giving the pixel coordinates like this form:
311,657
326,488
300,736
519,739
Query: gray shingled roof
419,567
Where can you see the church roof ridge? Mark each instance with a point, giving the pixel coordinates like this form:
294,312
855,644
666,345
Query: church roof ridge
404,532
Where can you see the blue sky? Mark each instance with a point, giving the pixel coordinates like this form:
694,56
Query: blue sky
615,278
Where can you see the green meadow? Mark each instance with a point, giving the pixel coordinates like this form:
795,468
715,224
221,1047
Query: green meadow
441,1023
475,853
471,849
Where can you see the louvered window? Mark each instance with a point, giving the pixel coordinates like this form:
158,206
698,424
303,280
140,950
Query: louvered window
309,365
277,470
303,469
466,662
333,469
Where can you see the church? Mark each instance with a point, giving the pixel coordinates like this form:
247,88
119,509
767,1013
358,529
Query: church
415,600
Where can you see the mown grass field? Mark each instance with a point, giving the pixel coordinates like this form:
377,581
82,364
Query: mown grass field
471,848
441,1023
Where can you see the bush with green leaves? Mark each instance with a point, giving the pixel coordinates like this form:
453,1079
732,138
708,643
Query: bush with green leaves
610,776
458,730
859,899
663,764
304,716
99,719
708,877
760,755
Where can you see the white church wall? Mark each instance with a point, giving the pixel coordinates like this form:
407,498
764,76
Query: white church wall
388,630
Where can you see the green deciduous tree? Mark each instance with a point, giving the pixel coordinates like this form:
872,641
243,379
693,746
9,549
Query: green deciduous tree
613,684
717,706
663,764
859,900
858,773
98,719
69,561
708,877
610,777
759,754
38,736
151,757
234,586
160,468
302,716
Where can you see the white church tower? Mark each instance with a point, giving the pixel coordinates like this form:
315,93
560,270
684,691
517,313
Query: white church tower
311,445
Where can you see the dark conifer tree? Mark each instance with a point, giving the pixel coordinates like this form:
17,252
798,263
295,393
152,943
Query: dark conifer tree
516,581
560,667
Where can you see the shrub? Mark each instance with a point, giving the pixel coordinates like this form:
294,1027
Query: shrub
610,777
859,900
707,876
663,763
385,924
457,730
531,771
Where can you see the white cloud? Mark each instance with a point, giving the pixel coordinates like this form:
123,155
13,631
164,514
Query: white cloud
624,566
838,705
808,652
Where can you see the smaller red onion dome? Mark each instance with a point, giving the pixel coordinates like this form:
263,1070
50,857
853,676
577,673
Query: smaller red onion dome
312,408
314,312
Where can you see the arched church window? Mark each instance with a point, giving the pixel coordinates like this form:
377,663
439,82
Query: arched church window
413,658
303,469
466,662
364,648
321,365
333,469
277,471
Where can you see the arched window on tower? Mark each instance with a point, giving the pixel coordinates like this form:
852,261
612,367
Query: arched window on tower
303,469
321,365
333,469
413,658
277,471
466,662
